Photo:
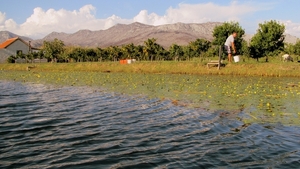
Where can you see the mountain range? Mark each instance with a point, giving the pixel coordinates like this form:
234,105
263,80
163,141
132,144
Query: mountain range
136,33
4,35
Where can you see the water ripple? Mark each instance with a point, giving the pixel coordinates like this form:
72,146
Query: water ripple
75,127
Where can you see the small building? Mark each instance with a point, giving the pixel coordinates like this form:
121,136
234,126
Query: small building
14,46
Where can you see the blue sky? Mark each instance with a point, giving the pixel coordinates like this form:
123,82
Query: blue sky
37,18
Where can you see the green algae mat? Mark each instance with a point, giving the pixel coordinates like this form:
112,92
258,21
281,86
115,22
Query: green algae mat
261,99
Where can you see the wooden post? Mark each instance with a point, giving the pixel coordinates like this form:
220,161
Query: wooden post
220,56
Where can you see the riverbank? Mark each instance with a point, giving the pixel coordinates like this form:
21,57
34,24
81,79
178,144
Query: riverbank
279,69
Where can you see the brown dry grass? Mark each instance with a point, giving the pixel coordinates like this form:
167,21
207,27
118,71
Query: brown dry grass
163,67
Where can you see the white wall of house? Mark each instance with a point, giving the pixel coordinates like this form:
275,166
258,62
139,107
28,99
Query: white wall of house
18,45
4,54
12,49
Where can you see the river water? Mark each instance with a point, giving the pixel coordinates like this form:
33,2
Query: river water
44,126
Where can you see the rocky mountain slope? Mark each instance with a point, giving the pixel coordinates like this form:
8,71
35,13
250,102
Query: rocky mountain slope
136,33
4,35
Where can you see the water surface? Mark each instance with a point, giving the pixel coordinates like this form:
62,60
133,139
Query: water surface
45,126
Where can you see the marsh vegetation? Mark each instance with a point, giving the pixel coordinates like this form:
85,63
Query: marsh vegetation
263,99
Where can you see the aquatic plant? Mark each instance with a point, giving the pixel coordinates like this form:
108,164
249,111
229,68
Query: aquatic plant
261,99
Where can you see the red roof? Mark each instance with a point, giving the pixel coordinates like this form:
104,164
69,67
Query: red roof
8,42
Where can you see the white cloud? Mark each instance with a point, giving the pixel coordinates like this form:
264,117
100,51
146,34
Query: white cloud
42,22
198,13
10,23
150,19
2,17
292,28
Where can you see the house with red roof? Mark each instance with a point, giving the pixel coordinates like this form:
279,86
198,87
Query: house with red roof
14,46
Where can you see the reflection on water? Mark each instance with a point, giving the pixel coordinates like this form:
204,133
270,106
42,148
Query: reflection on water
75,127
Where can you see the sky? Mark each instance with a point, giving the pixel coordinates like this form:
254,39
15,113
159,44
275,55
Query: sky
38,18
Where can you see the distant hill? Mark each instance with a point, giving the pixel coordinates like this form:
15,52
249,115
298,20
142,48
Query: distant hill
4,35
288,38
136,33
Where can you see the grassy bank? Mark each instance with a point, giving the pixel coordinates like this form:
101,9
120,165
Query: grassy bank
277,69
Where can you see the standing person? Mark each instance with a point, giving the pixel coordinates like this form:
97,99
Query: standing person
230,44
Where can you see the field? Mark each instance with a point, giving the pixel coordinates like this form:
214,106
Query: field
274,68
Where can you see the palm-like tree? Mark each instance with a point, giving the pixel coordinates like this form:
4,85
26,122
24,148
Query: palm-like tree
149,48
114,53
102,54
160,52
176,51
128,50
139,52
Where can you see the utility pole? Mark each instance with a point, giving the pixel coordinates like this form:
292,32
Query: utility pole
29,46
29,49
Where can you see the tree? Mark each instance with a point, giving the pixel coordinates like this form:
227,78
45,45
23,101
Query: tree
128,50
245,50
188,51
150,48
91,54
139,52
68,55
114,53
220,34
40,54
268,40
30,56
297,48
176,51
102,54
160,52
79,54
53,49
198,46
213,51
289,48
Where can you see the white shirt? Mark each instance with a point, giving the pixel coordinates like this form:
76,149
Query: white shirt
229,40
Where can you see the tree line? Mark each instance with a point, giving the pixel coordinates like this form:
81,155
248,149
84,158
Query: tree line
56,51
268,41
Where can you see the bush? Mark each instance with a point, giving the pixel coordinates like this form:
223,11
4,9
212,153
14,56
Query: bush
11,59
